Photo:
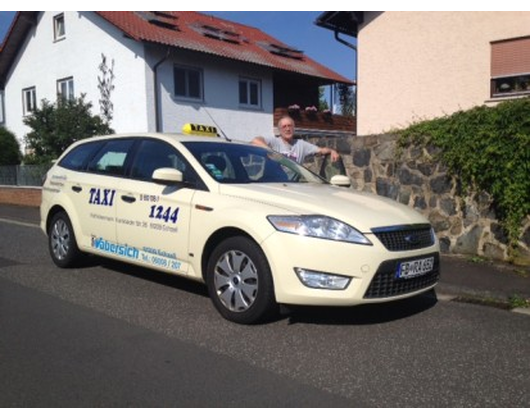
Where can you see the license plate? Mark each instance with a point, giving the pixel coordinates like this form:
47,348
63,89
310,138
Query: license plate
415,268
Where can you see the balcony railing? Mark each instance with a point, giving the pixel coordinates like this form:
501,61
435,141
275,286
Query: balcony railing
316,120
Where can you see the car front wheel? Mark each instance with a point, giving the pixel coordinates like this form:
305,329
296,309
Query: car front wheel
240,282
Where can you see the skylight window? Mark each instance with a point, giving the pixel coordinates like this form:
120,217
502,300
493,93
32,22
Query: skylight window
161,19
282,50
213,32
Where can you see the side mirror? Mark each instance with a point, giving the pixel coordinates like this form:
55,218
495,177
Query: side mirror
340,181
167,176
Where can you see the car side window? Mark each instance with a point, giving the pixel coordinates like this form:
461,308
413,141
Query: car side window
77,158
154,154
111,159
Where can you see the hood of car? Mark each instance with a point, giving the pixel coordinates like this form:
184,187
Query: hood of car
362,211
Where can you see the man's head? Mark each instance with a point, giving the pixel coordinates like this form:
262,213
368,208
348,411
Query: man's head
286,128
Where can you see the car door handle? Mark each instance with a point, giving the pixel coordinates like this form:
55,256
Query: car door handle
128,198
77,188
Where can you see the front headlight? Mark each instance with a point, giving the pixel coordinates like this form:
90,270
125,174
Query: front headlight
322,227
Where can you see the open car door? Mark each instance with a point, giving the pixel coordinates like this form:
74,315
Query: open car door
328,169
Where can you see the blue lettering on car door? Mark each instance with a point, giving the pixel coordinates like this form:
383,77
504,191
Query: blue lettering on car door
101,197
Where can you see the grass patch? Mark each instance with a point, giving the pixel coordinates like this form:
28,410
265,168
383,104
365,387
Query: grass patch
514,301
485,301
477,259
518,301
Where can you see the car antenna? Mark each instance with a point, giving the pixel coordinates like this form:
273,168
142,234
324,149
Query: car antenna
217,125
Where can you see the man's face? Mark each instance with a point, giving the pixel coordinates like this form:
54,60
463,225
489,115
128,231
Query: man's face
286,127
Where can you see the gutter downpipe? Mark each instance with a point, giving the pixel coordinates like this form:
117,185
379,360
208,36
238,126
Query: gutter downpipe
156,88
354,48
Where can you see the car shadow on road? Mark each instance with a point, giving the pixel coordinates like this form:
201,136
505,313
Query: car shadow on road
165,279
321,315
379,313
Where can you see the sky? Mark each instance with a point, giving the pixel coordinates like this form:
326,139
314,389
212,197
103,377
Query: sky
296,29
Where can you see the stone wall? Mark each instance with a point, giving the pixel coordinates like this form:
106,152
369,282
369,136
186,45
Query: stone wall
464,225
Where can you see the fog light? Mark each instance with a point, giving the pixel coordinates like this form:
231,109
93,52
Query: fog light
319,280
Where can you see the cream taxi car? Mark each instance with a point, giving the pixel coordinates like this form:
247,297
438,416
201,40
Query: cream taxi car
257,228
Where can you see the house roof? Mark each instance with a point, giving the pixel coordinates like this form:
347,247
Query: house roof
191,31
21,25
343,22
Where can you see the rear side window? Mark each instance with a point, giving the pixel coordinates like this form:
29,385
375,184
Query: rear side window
78,157
152,155
111,159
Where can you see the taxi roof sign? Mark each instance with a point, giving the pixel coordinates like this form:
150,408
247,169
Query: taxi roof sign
200,130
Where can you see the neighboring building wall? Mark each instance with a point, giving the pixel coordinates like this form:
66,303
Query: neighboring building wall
221,97
464,225
42,61
420,65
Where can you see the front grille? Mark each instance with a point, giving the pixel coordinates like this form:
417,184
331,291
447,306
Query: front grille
385,283
405,238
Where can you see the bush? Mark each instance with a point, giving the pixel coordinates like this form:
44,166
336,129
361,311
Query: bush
10,148
55,126
488,149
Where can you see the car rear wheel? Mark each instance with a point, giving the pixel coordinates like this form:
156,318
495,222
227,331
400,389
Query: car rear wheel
240,281
62,242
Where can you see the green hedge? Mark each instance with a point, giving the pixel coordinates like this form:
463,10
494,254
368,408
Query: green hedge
9,148
488,149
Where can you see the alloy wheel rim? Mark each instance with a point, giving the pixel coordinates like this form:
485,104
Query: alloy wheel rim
60,239
236,281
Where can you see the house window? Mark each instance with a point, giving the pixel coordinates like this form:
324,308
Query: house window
250,92
510,67
2,120
58,27
188,82
29,100
513,85
65,89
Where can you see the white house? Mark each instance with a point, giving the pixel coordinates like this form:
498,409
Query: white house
170,68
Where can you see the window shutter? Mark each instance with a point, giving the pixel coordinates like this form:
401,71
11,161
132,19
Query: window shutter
510,57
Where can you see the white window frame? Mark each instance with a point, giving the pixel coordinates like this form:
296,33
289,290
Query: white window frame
2,118
65,88
29,100
186,94
59,27
248,81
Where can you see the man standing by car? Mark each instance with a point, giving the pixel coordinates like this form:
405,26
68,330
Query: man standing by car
288,145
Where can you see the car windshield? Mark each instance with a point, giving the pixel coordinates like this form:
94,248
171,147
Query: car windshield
235,163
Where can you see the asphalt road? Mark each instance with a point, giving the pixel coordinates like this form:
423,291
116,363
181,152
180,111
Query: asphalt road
109,335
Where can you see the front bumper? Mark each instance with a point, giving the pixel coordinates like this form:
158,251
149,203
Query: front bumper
372,269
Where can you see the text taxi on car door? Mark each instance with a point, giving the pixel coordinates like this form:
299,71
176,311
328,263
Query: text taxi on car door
257,228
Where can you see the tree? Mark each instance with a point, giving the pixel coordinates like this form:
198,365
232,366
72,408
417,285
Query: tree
346,99
9,146
106,86
55,126
322,103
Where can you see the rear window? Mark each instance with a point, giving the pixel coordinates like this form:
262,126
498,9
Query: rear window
77,159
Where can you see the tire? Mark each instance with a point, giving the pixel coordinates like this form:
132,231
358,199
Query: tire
62,243
240,282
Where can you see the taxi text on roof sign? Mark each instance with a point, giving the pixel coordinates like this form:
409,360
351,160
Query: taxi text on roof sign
199,129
